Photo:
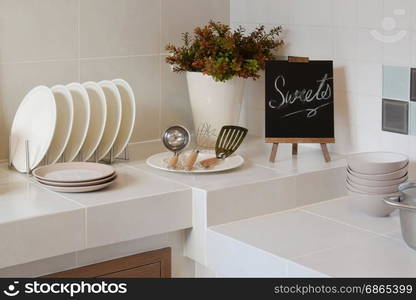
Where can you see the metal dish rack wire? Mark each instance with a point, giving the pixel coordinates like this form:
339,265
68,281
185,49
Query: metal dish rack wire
109,159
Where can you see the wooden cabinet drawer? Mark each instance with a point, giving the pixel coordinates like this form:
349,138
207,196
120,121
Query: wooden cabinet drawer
152,264
147,271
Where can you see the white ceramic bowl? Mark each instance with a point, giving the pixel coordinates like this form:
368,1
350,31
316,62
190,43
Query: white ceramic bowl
388,176
374,163
372,205
375,183
373,190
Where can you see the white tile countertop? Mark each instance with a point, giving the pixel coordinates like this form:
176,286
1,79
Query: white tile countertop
324,239
276,217
36,223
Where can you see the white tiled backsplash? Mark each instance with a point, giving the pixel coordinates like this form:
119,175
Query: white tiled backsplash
59,41
341,30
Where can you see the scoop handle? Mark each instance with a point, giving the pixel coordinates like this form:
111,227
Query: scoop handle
173,161
190,160
209,162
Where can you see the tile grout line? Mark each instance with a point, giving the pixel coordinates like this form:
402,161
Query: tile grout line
160,69
78,58
341,222
79,40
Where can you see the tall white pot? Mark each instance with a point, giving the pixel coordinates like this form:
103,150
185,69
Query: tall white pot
214,104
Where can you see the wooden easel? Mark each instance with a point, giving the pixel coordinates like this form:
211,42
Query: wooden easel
296,141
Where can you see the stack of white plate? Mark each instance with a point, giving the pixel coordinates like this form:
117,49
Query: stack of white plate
73,121
75,177
372,176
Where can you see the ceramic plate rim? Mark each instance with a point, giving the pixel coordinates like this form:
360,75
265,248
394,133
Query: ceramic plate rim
210,170
84,93
71,120
376,175
132,101
360,165
349,185
78,189
94,85
111,85
50,133
78,184
37,172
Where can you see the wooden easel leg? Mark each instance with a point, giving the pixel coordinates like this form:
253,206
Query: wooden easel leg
325,152
295,149
274,153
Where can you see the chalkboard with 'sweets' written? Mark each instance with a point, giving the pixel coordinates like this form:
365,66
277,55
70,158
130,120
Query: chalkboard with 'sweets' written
299,100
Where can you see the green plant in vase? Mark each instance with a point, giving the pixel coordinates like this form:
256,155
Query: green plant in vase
217,60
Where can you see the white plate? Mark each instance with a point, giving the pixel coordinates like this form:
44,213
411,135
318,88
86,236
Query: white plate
375,183
114,111
372,190
64,121
97,120
73,172
35,121
377,162
78,184
388,176
77,189
159,161
128,118
81,120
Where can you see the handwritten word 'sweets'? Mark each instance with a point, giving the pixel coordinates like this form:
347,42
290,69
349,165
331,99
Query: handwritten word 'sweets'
323,92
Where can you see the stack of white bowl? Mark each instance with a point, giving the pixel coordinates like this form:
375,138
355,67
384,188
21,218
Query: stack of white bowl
372,176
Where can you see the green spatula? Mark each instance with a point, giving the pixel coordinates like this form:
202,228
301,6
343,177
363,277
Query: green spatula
229,139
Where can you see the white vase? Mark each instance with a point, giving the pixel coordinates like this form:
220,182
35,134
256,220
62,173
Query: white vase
214,104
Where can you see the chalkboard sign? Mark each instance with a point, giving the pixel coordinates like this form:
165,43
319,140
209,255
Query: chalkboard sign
299,102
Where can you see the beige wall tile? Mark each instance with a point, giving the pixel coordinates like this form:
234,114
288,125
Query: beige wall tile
176,108
41,42
38,30
122,27
184,15
18,79
143,74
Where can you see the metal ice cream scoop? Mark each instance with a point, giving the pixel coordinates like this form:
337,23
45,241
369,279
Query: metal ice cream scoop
175,138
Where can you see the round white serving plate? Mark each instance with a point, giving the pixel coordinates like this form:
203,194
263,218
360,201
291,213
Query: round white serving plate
77,189
35,121
81,120
372,190
114,112
79,184
97,121
375,183
159,161
64,121
388,176
128,117
73,172
373,163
